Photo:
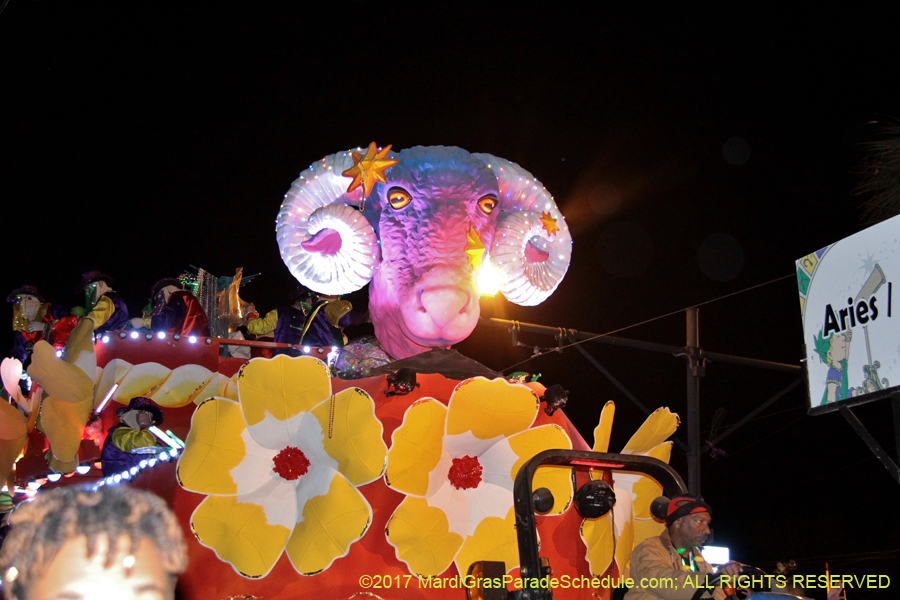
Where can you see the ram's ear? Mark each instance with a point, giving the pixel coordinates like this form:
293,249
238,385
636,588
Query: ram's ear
326,242
534,254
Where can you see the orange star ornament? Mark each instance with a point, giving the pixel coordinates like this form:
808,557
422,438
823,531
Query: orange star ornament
369,167
549,224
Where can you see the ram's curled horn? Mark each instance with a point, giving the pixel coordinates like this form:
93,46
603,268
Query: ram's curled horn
328,245
529,254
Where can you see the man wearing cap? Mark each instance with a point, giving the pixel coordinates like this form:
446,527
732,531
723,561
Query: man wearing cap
669,565
174,311
104,306
130,441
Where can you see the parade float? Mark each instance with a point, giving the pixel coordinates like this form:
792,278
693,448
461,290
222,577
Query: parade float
386,469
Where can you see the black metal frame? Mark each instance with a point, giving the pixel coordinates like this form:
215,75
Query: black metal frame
526,529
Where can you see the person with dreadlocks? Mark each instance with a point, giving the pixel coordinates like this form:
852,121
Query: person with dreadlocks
115,543
670,565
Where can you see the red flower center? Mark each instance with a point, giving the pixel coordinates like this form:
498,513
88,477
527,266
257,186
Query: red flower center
291,463
465,473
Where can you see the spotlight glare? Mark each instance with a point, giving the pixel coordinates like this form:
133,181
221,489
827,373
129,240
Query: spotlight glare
488,280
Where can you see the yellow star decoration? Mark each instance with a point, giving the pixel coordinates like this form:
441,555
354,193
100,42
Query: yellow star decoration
549,223
369,168
474,248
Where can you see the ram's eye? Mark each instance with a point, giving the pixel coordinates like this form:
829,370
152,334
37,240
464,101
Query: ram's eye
398,198
487,204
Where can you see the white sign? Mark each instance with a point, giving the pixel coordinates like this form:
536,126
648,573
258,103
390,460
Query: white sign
851,327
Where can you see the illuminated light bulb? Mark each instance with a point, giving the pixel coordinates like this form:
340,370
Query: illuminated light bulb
59,353
125,475
143,464
133,470
334,348
117,478
83,469
134,335
163,456
105,339
488,280
109,481
161,335
31,493
33,485
306,349
151,462
193,339
54,477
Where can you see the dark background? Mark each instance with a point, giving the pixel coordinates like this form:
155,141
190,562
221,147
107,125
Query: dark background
695,154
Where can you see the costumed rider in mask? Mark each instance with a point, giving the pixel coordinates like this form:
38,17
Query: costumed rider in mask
103,305
313,320
33,320
175,310
130,442
670,566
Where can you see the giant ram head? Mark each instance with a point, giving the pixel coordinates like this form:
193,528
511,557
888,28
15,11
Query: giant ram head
422,238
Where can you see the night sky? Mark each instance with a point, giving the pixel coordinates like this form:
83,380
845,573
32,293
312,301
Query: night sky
694,155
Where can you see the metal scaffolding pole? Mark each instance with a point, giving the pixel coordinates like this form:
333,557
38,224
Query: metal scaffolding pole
694,373
696,361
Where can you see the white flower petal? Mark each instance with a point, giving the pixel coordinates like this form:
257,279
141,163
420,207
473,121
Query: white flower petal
497,463
466,444
453,502
487,500
307,435
437,478
255,469
273,433
277,500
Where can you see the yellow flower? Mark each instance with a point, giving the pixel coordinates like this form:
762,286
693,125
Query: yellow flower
613,536
281,467
456,465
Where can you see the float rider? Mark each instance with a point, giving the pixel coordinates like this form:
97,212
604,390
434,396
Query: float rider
130,441
104,307
670,566
175,310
